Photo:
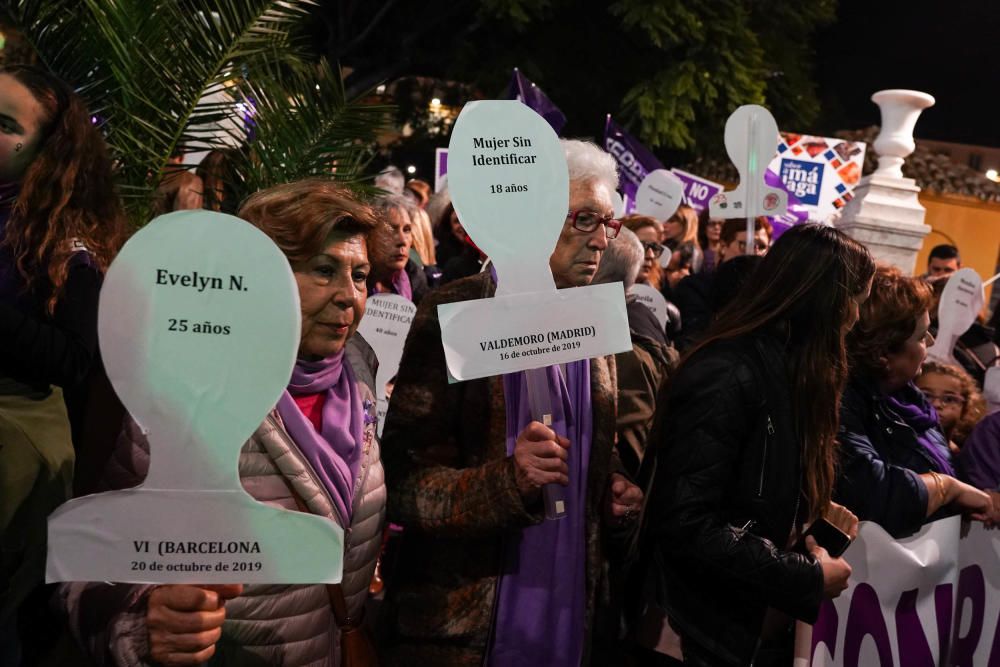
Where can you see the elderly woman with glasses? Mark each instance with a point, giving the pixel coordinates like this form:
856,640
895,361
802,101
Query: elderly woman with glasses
482,577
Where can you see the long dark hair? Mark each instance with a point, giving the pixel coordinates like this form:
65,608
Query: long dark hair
67,194
804,285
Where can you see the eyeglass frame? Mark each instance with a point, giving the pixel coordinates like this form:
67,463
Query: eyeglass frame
657,248
946,399
611,225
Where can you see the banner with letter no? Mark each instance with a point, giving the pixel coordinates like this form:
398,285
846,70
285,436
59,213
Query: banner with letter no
930,599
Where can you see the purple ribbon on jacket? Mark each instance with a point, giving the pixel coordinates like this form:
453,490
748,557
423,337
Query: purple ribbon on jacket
335,452
400,285
541,596
923,419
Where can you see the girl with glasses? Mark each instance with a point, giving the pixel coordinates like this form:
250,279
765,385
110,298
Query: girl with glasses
955,397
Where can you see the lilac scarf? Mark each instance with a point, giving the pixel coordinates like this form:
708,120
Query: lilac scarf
335,453
400,285
923,419
541,597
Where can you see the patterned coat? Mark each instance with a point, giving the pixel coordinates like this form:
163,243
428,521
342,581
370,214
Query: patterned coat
451,487
279,624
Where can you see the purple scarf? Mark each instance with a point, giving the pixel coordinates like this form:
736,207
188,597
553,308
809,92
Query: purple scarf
923,419
335,453
400,285
541,597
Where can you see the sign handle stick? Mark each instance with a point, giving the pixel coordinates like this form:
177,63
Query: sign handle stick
540,401
753,181
991,280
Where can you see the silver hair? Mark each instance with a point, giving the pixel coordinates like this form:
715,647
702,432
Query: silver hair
587,162
391,180
622,260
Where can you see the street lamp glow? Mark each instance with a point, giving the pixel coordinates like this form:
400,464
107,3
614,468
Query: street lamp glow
411,169
436,102
992,174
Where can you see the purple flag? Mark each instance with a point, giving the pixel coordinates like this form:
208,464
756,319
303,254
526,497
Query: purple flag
525,91
634,159
796,214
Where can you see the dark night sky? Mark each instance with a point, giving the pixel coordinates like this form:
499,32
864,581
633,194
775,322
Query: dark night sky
947,49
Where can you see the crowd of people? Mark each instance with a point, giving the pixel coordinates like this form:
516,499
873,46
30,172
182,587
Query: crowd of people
789,385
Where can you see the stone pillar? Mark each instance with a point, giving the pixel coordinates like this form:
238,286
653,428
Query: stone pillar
885,215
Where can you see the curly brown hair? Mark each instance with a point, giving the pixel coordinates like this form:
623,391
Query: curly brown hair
886,320
67,196
299,216
974,407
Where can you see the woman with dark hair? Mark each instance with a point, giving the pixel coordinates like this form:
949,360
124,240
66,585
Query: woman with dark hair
746,450
61,224
315,452
709,233
895,465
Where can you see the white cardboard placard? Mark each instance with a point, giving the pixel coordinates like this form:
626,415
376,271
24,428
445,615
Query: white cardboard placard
751,138
618,204
386,322
199,341
510,186
659,194
961,301
650,297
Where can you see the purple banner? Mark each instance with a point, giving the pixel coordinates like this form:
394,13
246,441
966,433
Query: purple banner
523,90
698,191
634,159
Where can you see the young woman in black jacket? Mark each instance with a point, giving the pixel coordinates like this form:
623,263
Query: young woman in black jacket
745,460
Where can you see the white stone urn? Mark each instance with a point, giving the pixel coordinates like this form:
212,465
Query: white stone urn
900,109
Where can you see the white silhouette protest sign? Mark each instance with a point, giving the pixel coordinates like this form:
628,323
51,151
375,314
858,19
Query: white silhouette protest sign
751,139
659,195
199,329
961,301
510,186
651,297
385,325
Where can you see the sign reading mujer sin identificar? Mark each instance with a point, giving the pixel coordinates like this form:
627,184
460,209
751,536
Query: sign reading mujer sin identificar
510,187
199,329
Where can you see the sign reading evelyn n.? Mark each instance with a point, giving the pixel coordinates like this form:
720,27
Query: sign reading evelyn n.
198,341
510,186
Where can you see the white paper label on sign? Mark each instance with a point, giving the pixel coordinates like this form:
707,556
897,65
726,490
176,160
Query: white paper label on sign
650,297
961,301
199,342
512,333
659,195
751,138
385,325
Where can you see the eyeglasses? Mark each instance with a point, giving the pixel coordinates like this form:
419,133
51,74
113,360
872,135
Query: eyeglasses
588,221
654,247
759,246
944,399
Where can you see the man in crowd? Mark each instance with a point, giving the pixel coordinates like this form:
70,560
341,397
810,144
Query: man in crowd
481,576
943,261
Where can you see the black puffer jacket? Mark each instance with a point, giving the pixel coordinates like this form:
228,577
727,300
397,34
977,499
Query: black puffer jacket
724,501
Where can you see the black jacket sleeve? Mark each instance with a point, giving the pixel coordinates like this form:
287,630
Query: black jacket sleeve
870,486
711,417
57,350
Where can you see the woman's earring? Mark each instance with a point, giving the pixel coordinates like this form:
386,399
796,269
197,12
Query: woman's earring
18,148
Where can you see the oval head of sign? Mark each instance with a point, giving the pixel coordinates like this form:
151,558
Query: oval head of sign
510,187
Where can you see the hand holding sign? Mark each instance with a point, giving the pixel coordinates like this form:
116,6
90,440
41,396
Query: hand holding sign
181,334
510,186
751,141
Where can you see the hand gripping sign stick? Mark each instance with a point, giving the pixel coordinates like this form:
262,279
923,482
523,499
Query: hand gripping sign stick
510,187
751,141
199,342
962,299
